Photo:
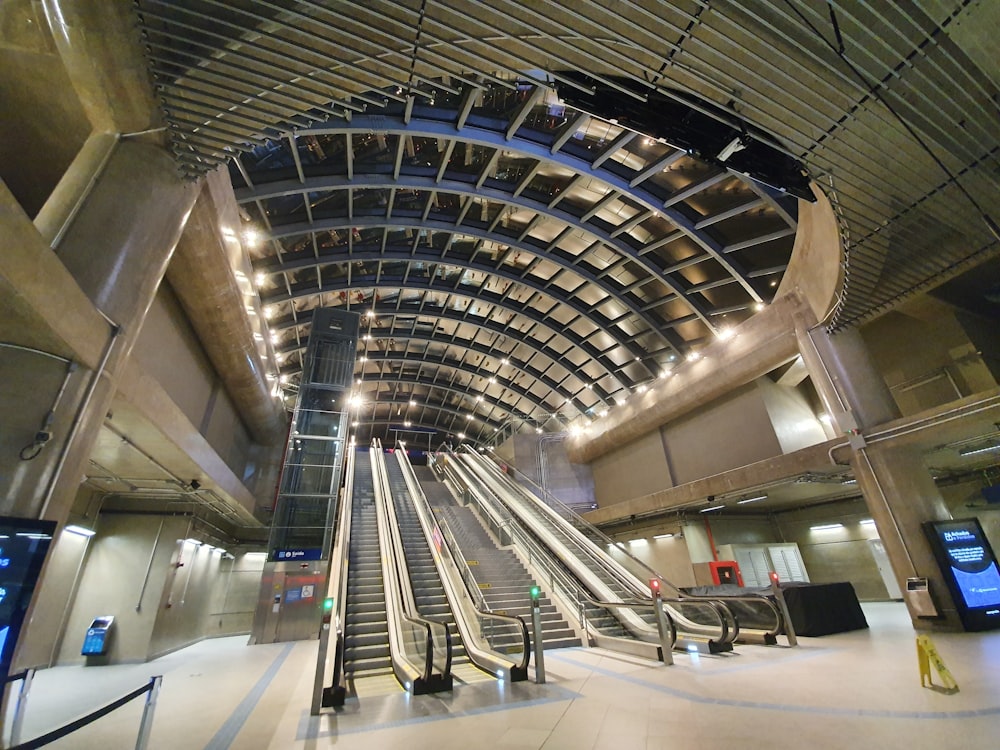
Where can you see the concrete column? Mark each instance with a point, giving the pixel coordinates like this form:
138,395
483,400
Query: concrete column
116,252
898,489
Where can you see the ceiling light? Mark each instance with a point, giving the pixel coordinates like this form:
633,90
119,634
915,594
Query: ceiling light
283,379
468,416
370,313
725,334
413,402
731,148
638,542
751,499
759,306
504,361
354,423
79,530
461,436
406,424
981,449
714,507
642,389
662,536
693,356
268,312
251,236
826,527
868,522
260,278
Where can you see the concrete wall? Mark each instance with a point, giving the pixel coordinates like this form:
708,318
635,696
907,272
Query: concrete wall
168,349
732,432
735,431
836,554
206,596
40,638
926,356
637,469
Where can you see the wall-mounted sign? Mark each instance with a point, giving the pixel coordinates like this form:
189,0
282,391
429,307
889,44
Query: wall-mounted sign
294,555
970,569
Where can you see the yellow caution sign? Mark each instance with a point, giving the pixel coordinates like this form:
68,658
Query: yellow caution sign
926,656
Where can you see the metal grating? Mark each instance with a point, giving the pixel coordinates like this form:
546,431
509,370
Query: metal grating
893,110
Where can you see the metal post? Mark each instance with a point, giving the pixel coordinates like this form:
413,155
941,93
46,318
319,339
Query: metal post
780,597
19,709
146,725
324,647
666,647
536,629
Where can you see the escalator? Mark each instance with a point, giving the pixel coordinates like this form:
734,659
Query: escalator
366,643
610,593
498,573
374,629
429,593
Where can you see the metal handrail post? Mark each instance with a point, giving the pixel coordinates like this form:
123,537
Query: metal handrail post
21,706
146,725
666,647
783,607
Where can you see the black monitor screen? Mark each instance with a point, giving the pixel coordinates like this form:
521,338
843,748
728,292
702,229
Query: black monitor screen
970,568
23,545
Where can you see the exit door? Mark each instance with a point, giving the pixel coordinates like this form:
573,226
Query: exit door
884,568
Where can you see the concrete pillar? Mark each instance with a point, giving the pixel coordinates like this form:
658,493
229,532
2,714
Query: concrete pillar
111,261
898,489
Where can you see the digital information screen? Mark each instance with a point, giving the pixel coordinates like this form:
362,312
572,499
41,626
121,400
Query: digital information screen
970,568
23,545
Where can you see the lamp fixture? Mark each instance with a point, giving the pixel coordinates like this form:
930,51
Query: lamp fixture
826,527
663,536
980,449
79,530
709,510
753,499
731,148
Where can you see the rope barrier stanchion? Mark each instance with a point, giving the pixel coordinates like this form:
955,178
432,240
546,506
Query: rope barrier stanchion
22,703
152,687
146,725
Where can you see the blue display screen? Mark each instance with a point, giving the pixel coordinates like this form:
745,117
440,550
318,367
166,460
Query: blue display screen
23,545
966,558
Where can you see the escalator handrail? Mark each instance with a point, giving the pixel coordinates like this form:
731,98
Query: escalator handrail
559,578
337,584
400,605
576,520
726,628
573,552
429,521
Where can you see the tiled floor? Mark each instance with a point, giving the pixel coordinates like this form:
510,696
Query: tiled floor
857,690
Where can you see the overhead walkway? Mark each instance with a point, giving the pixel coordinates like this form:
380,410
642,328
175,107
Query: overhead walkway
612,591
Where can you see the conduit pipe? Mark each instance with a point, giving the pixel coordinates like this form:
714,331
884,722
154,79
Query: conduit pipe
203,280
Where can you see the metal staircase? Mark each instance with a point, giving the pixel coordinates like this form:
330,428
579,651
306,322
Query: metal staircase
503,580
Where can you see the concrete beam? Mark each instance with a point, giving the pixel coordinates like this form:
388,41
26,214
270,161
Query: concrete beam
762,343
769,471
